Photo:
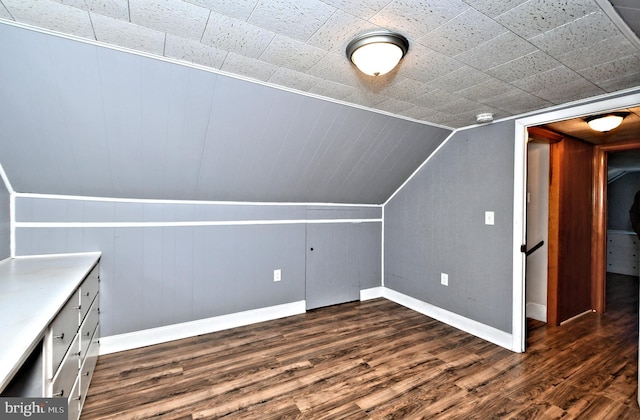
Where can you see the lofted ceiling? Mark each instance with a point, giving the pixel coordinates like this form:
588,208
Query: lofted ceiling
466,57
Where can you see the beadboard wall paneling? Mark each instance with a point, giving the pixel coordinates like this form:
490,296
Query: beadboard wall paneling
435,225
159,270
87,120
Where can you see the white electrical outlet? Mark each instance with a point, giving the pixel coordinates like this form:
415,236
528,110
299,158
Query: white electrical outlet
444,279
489,218
277,275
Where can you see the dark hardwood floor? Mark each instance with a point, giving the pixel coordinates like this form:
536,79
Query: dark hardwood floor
377,359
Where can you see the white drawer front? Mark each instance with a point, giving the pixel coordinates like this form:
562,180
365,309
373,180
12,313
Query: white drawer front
89,290
86,372
63,330
68,372
74,402
88,327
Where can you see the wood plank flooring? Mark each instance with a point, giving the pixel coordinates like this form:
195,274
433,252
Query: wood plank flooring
377,359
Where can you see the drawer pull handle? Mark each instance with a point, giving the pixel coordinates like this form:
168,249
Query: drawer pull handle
78,353
59,337
87,294
59,394
86,373
79,398
87,334
78,307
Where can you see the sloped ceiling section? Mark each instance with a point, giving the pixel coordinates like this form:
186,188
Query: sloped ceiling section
79,119
466,57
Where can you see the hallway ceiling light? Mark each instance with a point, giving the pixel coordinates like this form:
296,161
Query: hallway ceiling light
377,53
607,122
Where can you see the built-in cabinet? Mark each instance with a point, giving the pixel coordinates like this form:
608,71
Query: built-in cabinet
623,249
52,306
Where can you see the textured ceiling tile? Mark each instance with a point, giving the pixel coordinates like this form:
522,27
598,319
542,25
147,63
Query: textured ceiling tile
298,20
4,13
363,9
547,79
424,64
172,16
517,102
418,18
435,99
578,34
293,79
239,9
621,67
336,33
500,50
538,16
51,15
458,79
293,54
193,52
459,106
493,8
234,35
332,90
363,98
117,9
337,68
118,32
485,90
524,66
597,53
248,67
394,106
406,90
465,31
570,91
619,83
426,114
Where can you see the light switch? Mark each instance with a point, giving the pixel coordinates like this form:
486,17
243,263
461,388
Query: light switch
488,218
277,275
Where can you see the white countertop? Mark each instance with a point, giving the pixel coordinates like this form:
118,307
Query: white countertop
32,291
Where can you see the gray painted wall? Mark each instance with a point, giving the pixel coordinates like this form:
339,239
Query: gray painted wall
86,120
435,224
161,275
5,222
620,195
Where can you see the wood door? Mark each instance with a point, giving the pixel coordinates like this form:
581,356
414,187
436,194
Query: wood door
570,230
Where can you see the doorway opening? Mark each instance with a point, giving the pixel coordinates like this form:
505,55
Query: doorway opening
598,224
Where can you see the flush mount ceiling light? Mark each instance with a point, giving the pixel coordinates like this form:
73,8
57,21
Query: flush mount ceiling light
377,53
606,122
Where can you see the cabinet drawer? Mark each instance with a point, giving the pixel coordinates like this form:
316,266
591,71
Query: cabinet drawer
86,371
88,328
74,402
68,372
63,330
88,291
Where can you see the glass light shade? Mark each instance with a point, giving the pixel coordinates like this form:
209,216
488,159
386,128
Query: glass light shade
377,53
378,58
605,123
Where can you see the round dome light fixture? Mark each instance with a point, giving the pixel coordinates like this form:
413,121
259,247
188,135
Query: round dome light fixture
377,53
606,122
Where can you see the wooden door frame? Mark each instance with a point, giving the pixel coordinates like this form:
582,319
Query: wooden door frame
599,224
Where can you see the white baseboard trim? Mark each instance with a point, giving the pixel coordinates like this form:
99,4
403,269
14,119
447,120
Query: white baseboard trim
132,340
536,311
470,326
373,293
